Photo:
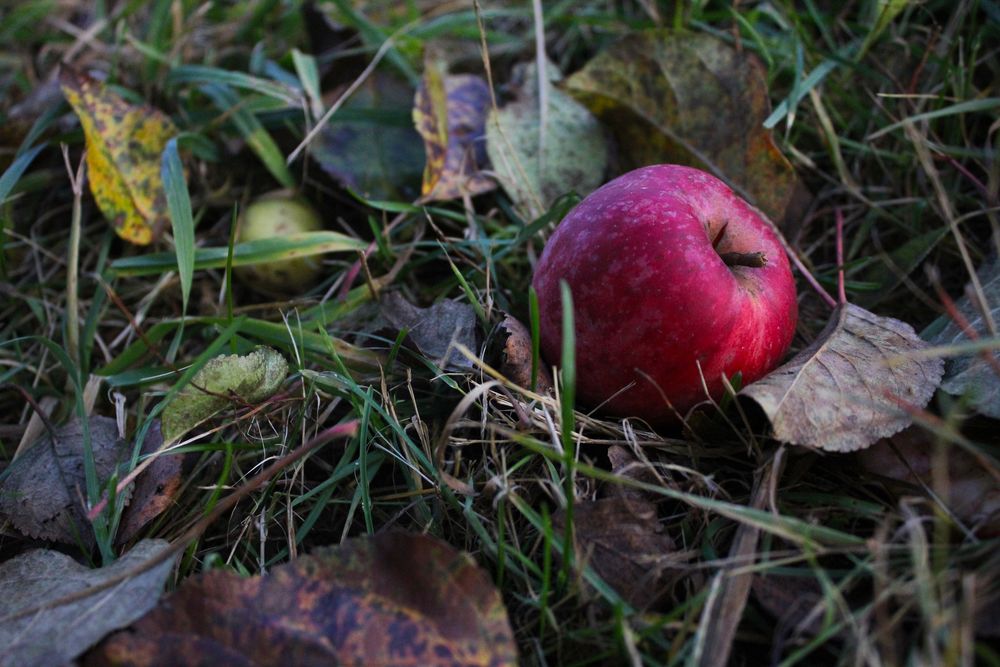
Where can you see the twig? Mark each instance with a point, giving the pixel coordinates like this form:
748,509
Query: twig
841,289
73,262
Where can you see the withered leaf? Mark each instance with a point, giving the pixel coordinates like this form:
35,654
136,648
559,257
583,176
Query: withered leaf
449,112
622,540
970,373
973,485
45,487
154,489
690,98
515,361
792,601
124,145
370,145
251,377
855,384
572,158
391,599
57,635
434,330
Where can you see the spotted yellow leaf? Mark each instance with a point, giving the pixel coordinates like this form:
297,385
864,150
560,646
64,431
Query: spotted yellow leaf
124,144
449,112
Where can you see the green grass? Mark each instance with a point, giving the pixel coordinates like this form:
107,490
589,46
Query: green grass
858,97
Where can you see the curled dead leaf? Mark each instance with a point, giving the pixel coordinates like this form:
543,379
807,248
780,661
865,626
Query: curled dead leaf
516,357
433,330
859,381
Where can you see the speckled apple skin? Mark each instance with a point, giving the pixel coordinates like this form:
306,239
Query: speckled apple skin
652,298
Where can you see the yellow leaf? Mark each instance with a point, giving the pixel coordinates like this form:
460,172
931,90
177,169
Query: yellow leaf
124,144
450,112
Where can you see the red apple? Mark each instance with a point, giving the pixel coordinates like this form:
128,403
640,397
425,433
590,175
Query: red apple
674,279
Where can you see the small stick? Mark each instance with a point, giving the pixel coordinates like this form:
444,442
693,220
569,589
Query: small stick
841,289
754,259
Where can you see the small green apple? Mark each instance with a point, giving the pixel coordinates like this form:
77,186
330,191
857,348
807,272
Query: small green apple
273,215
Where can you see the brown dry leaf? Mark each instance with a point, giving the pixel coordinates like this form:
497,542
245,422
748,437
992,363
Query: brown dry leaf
973,492
57,635
856,383
155,488
621,539
124,145
449,112
792,601
515,362
391,599
692,99
434,330
43,493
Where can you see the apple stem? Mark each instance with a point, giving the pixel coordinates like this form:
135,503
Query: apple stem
718,236
753,259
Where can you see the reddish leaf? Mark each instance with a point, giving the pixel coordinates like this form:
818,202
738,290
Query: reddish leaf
155,488
516,357
393,599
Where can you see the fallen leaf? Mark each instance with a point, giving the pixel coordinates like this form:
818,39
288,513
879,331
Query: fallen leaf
433,331
622,540
973,491
856,383
45,486
970,373
693,99
449,112
792,601
573,157
251,378
154,489
370,145
57,635
124,145
627,466
515,361
391,599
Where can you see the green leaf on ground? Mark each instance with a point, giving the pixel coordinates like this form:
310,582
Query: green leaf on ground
370,145
251,378
536,165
